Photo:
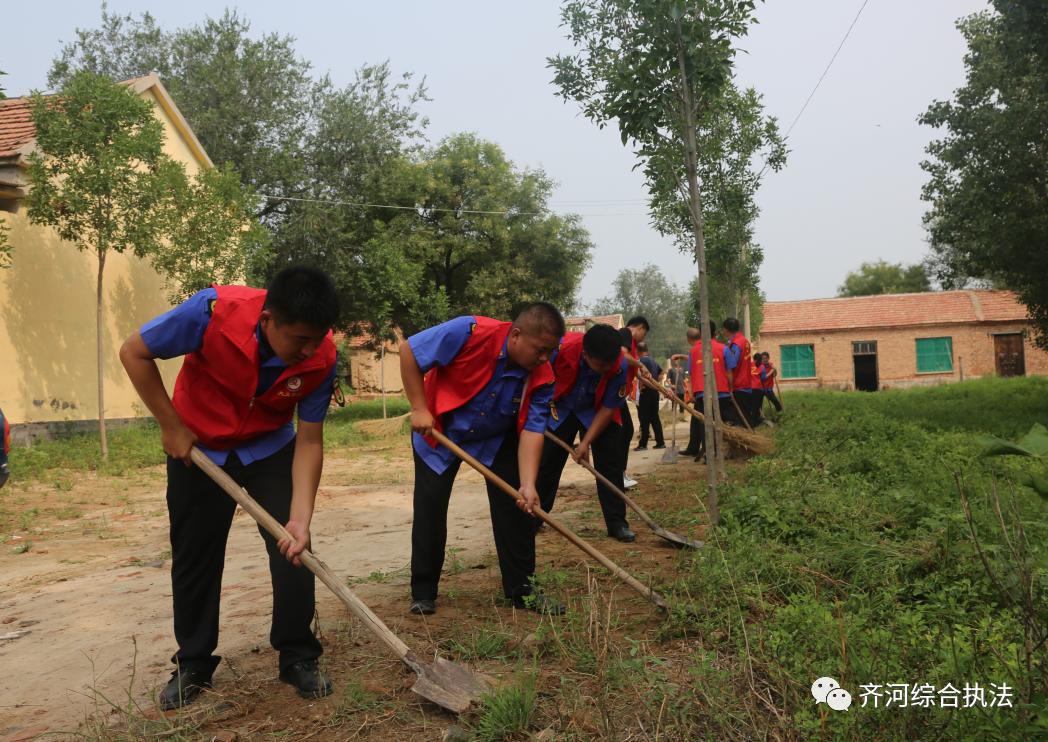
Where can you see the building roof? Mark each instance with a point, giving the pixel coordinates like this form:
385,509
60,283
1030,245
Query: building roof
16,126
892,310
17,132
581,324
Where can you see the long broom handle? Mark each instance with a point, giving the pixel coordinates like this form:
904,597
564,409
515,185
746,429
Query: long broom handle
317,567
553,523
686,405
607,482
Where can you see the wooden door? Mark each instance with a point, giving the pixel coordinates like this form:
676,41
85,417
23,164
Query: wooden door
1008,352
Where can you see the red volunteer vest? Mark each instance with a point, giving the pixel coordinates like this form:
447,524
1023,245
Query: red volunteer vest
698,380
566,370
215,390
755,376
743,372
449,387
769,381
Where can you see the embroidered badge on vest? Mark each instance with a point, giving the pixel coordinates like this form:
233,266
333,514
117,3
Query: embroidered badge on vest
294,384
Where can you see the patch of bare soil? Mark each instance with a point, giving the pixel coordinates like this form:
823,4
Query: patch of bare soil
85,614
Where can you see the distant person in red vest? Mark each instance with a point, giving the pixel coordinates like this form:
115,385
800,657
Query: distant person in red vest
697,439
487,385
768,380
588,398
757,388
739,362
636,329
251,358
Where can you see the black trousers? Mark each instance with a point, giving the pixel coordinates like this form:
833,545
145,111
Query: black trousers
200,514
648,411
696,431
627,435
513,528
770,394
606,451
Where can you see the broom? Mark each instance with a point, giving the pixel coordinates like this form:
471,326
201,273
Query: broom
383,427
753,441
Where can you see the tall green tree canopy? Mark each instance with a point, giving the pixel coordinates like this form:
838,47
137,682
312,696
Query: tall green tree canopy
988,175
473,234
248,100
882,277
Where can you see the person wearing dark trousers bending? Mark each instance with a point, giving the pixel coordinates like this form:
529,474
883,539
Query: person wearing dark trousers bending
648,402
697,438
739,362
487,385
251,358
634,332
768,381
588,398
757,388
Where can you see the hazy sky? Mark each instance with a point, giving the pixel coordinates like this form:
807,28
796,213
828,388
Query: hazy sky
850,191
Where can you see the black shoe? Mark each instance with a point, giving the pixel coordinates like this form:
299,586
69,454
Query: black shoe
540,603
657,446
423,607
686,452
641,448
622,533
307,677
185,685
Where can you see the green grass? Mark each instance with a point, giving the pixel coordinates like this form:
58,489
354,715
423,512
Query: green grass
138,445
506,712
847,554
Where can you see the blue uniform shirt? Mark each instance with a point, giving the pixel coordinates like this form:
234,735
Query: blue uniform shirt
481,424
181,330
580,400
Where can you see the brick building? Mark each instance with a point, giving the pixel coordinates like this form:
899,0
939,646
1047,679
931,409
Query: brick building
899,340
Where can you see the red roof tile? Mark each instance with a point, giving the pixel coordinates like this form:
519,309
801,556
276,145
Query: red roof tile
892,310
16,126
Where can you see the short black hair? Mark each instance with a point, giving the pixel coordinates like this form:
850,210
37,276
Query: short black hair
642,347
765,354
540,317
639,320
602,343
731,324
300,293
713,329
757,357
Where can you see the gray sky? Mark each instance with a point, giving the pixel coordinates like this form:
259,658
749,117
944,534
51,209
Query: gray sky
849,193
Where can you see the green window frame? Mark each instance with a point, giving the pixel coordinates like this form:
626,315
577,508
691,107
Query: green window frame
798,361
934,355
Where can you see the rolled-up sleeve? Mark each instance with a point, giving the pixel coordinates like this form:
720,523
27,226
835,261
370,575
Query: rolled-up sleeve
180,330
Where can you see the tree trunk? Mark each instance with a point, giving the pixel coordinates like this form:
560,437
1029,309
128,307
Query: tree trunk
695,203
99,334
746,329
382,376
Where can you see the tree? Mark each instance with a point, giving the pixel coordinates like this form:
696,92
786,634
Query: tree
101,180
464,232
248,101
988,175
654,67
95,178
737,144
647,292
882,277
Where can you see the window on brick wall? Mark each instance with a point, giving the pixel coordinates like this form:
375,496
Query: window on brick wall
798,361
934,355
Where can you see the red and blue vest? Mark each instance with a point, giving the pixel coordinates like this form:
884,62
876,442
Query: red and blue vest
566,370
698,379
741,378
215,390
449,387
755,376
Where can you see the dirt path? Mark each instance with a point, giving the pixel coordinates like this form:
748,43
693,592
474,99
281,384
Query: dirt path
88,608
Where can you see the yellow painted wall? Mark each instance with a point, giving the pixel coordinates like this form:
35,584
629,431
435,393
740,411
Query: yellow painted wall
47,319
